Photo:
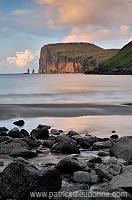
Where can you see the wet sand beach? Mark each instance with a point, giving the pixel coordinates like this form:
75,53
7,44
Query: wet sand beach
8,111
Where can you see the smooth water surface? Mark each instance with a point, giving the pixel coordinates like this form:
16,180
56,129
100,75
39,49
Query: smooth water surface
65,88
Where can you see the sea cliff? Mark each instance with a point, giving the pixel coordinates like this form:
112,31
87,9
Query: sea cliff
72,57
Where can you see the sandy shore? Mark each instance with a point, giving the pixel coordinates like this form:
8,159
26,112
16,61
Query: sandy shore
8,111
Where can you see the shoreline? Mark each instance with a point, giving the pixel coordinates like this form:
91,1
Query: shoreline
10,111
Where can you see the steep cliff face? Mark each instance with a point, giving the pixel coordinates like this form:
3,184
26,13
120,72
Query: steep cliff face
72,57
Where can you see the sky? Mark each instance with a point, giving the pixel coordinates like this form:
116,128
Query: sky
27,25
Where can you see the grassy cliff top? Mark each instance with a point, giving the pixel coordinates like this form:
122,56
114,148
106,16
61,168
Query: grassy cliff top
122,59
72,50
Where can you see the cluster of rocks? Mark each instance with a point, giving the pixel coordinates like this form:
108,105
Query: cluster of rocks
111,71
20,178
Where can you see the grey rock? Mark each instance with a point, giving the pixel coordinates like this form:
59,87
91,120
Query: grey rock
85,144
19,123
115,136
55,132
109,168
20,178
123,149
43,126
3,129
85,177
24,133
88,139
15,149
72,133
48,143
40,133
123,180
14,133
102,145
66,145
127,169
33,143
71,164
102,172
62,138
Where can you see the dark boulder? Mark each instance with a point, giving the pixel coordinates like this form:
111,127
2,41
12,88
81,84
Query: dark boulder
43,126
3,129
72,133
102,171
19,123
109,168
14,133
71,164
40,133
48,143
123,149
85,177
115,136
24,133
65,144
20,178
16,149
123,181
33,143
103,145
55,132
85,145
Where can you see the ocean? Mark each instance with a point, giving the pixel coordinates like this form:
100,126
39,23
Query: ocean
65,88
70,88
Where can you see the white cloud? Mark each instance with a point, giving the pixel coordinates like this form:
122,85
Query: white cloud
22,59
20,62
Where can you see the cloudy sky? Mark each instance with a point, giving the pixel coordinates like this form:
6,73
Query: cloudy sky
27,25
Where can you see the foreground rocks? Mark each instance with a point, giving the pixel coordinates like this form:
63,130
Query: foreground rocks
16,149
109,170
123,149
65,144
123,181
85,177
20,178
71,164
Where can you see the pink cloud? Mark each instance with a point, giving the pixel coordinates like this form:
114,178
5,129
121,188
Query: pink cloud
94,12
90,34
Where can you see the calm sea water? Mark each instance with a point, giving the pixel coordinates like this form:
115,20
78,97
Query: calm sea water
65,88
